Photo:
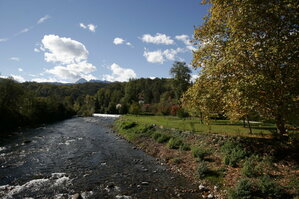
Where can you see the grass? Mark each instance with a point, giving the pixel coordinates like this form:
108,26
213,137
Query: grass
224,127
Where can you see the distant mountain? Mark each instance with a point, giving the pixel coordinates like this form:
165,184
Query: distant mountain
81,81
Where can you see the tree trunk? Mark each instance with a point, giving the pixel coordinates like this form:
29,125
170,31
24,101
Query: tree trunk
244,124
249,126
280,124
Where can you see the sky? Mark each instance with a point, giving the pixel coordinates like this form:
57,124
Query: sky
113,40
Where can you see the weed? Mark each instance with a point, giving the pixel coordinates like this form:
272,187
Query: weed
202,169
185,147
176,160
199,152
163,138
174,143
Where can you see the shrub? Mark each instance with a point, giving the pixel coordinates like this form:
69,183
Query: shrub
269,189
174,143
233,153
252,166
156,135
185,147
202,169
199,152
163,138
182,114
244,189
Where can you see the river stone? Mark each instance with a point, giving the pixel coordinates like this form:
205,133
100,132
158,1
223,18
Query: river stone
77,196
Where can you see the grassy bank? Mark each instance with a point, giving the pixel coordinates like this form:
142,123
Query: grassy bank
220,154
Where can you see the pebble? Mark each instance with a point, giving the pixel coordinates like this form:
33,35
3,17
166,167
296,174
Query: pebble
145,183
201,187
210,196
76,196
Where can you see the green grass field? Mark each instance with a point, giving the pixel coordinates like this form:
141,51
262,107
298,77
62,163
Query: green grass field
216,126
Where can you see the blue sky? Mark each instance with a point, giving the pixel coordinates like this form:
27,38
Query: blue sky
64,40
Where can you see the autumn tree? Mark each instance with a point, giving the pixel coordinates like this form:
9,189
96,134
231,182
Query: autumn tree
250,50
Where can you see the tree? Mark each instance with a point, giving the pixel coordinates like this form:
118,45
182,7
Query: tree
181,74
250,48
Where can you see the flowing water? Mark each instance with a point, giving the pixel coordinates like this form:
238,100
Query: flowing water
83,156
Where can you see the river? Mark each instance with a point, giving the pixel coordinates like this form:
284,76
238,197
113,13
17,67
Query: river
83,156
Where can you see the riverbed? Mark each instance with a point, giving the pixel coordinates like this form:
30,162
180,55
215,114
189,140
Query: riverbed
83,156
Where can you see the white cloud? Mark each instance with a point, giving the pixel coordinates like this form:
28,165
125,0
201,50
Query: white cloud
18,78
157,39
90,27
36,50
154,56
3,39
183,38
71,56
14,59
43,19
193,78
120,74
186,40
170,54
64,50
191,48
20,69
160,56
119,41
73,71
50,79
83,26
24,30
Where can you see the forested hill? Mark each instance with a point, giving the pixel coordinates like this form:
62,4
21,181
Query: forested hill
31,103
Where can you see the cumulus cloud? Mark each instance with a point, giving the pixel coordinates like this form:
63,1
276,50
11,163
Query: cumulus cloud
120,74
3,39
90,27
160,56
157,39
14,59
17,78
43,19
36,50
186,40
71,56
74,71
20,69
119,41
64,50
154,56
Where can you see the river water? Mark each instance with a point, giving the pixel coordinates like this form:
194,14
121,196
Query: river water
83,156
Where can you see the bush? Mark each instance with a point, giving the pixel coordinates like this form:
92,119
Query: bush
185,147
182,114
199,152
252,166
244,189
174,143
163,138
202,169
233,153
270,189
